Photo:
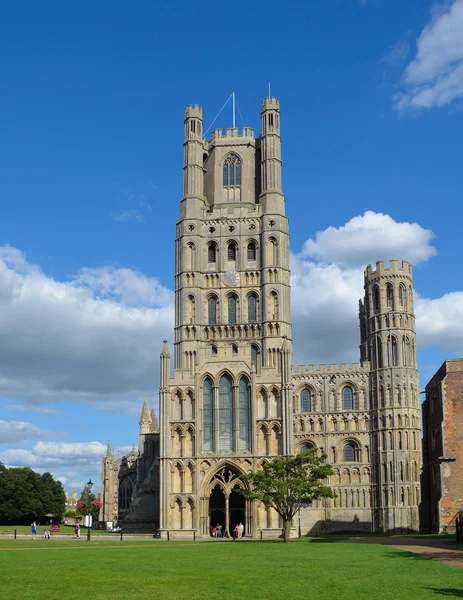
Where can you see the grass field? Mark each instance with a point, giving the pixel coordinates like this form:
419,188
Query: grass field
311,569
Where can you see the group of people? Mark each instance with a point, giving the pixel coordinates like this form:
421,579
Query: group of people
219,532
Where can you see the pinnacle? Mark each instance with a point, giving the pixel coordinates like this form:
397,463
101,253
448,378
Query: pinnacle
145,416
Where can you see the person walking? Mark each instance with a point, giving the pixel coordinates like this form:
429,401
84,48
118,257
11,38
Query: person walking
33,530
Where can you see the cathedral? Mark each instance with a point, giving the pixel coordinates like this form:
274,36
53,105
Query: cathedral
232,399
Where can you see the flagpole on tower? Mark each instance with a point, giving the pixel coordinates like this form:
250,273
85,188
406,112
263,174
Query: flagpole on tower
233,108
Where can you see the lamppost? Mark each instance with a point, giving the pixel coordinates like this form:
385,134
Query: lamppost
89,489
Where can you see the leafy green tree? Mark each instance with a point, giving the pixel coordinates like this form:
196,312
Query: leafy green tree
25,495
287,482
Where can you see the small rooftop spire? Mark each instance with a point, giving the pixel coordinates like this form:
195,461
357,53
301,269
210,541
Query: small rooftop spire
109,450
165,350
145,416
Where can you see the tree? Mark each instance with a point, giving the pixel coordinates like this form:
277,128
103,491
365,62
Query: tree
25,495
85,499
287,482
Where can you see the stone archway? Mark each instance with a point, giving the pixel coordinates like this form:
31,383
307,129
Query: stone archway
223,504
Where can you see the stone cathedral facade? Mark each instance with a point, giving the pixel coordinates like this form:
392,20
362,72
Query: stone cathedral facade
230,398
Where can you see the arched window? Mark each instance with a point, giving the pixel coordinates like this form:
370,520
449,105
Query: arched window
273,306
190,256
254,355
232,302
225,413
403,296
389,295
232,171
234,349
379,352
252,308
307,447
348,398
271,252
190,309
125,493
208,415
212,310
306,401
394,352
252,251
376,302
349,453
231,252
214,350
244,414
211,253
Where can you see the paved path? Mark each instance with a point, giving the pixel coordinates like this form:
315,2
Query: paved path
433,548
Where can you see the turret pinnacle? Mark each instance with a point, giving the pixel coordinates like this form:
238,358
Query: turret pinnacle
154,421
145,416
109,451
165,350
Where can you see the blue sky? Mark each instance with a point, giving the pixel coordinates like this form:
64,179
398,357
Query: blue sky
91,121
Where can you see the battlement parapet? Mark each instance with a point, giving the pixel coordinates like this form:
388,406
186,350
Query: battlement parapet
270,104
193,110
383,270
232,132
332,368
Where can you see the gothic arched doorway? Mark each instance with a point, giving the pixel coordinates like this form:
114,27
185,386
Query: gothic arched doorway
225,506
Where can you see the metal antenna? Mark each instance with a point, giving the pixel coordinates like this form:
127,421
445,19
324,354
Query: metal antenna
269,94
233,108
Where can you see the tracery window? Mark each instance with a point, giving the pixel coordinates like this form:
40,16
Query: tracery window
244,392
208,415
125,493
225,413
306,401
232,171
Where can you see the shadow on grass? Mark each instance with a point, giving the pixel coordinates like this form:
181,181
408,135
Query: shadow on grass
449,558
454,593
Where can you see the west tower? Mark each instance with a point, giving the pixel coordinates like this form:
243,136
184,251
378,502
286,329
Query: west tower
229,402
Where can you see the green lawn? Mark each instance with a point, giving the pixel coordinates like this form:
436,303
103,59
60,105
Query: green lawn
311,569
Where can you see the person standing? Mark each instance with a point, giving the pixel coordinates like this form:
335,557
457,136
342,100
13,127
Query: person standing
240,529
33,530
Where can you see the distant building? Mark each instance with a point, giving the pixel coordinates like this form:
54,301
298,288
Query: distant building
72,500
233,400
443,448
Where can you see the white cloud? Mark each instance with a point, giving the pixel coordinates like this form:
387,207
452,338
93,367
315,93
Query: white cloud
94,338
19,431
434,78
439,322
368,238
324,311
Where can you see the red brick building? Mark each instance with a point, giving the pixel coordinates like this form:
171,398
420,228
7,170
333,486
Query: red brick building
442,477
